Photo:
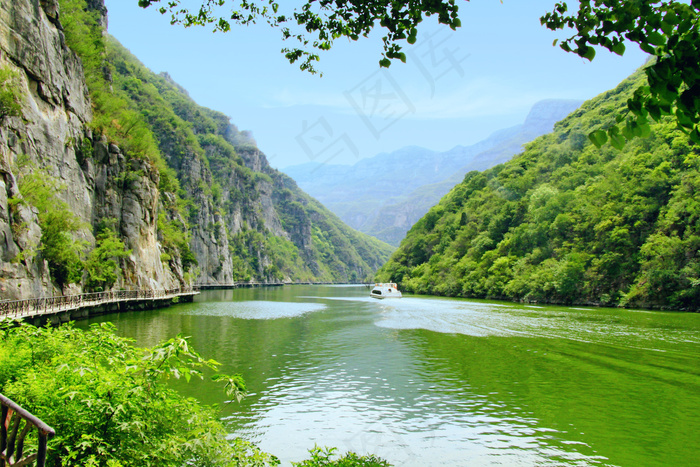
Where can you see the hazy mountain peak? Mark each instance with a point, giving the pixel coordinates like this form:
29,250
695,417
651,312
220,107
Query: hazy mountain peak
545,113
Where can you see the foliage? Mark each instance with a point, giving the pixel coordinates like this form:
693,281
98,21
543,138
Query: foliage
59,225
113,116
109,402
328,20
324,457
669,31
11,98
566,222
101,264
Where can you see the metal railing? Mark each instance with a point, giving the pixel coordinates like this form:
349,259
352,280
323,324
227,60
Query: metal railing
42,305
12,453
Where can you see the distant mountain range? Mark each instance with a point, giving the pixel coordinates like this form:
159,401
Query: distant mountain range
386,194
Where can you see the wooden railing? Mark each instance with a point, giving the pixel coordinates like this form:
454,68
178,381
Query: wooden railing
34,306
236,284
205,285
13,433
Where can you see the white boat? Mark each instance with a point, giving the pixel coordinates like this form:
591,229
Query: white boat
385,290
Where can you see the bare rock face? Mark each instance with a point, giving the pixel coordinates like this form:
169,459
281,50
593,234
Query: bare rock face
209,241
99,181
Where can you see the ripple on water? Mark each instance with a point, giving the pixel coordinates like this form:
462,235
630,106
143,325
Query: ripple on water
257,309
603,326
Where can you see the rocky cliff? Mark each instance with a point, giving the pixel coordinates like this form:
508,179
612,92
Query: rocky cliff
186,193
55,108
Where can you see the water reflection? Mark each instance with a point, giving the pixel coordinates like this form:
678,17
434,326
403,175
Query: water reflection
426,381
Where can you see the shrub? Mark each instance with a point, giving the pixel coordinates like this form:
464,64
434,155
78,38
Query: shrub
11,98
109,401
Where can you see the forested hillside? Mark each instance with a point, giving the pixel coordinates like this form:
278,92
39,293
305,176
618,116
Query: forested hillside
567,222
230,195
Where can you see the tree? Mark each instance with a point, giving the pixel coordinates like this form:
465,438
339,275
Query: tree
668,30
101,264
59,225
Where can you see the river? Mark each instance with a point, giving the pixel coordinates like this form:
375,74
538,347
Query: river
424,381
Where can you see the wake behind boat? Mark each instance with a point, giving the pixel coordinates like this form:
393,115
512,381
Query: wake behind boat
385,290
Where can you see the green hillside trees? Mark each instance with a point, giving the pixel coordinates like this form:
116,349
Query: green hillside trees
568,222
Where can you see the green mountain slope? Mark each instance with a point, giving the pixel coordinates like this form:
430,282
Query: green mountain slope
223,208
566,222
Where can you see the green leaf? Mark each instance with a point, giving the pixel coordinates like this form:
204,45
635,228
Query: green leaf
644,128
647,48
629,129
616,139
656,38
619,48
385,63
635,106
598,137
695,136
654,110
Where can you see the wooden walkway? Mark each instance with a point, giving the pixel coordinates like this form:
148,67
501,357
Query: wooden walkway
37,307
235,285
33,308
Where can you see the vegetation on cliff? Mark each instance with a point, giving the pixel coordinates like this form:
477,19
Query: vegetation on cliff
60,248
567,222
10,96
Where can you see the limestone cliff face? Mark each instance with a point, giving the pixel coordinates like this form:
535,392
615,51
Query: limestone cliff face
51,132
209,238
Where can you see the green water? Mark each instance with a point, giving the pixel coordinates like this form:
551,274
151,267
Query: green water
429,381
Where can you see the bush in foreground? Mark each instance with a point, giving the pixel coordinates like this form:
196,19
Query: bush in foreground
323,457
109,401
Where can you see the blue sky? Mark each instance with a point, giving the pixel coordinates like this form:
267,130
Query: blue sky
455,89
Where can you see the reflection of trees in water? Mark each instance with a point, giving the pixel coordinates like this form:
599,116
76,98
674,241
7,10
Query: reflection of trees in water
625,404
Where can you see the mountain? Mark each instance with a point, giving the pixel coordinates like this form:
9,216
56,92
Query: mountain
386,194
567,222
112,177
